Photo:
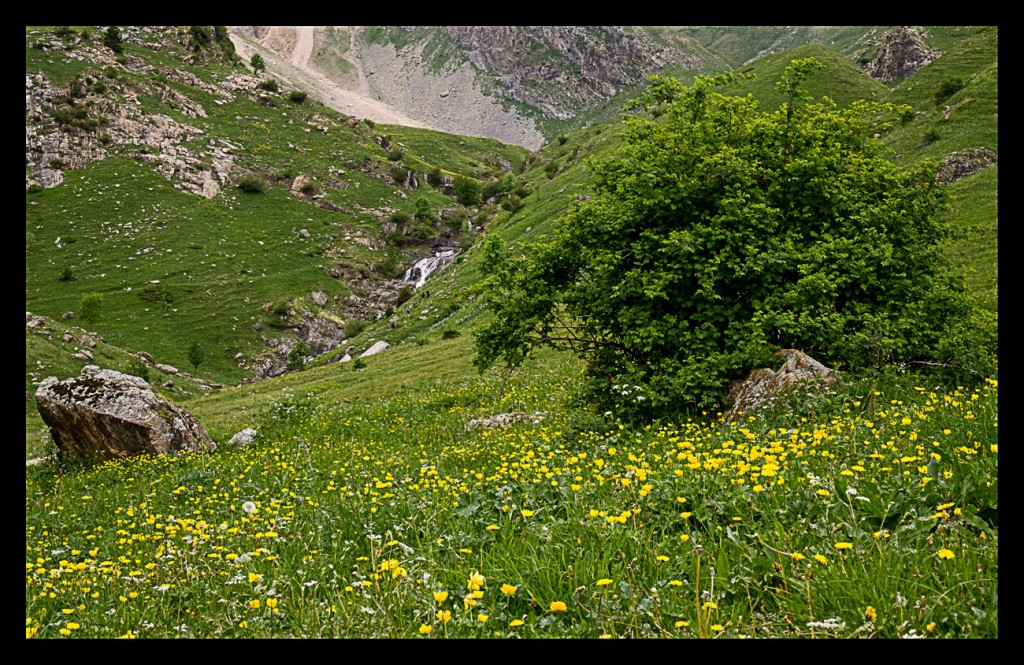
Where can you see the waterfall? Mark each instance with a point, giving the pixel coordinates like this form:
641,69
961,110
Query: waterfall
418,273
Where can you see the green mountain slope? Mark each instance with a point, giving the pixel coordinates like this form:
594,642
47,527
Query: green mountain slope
243,273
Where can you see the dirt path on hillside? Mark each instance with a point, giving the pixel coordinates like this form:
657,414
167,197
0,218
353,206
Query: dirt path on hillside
297,73
303,46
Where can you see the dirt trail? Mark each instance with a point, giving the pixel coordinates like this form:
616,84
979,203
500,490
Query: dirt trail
303,46
297,73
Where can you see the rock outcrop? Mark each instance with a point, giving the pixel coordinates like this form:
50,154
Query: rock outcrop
502,420
901,52
764,386
964,163
103,414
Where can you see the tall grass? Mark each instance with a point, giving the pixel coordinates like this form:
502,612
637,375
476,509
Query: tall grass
856,515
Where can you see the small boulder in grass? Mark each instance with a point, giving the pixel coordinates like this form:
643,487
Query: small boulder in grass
243,438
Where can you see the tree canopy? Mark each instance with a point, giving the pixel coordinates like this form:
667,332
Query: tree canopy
719,234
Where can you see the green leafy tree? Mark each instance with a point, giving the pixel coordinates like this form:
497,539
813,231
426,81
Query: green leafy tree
257,63
90,307
112,39
467,191
297,356
196,355
721,233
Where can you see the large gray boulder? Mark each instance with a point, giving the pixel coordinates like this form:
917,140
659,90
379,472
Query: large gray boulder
103,414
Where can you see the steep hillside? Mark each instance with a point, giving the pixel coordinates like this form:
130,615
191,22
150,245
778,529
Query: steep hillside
203,203
517,84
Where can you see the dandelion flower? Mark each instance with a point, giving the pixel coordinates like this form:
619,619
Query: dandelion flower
604,582
844,546
476,580
946,554
249,507
516,622
870,613
682,624
527,513
820,558
661,557
557,606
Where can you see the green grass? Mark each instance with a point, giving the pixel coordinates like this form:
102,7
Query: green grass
370,493
364,513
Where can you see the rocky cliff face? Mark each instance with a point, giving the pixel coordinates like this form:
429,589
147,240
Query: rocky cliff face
560,70
901,52
491,81
69,126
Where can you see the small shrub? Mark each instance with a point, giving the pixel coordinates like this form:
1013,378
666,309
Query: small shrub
252,185
399,173
310,188
932,135
490,189
201,35
90,307
297,96
948,88
138,368
467,191
297,356
513,203
257,63
34,188
270,85
280,309
424,211
562,139
358,364
67,274
196,355
369,123
436,177
354,327
396,155
112,39
404,295
399,217
157,293
56,163
450,333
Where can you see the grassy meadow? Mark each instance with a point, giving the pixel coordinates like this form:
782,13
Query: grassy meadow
369,507
852,514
